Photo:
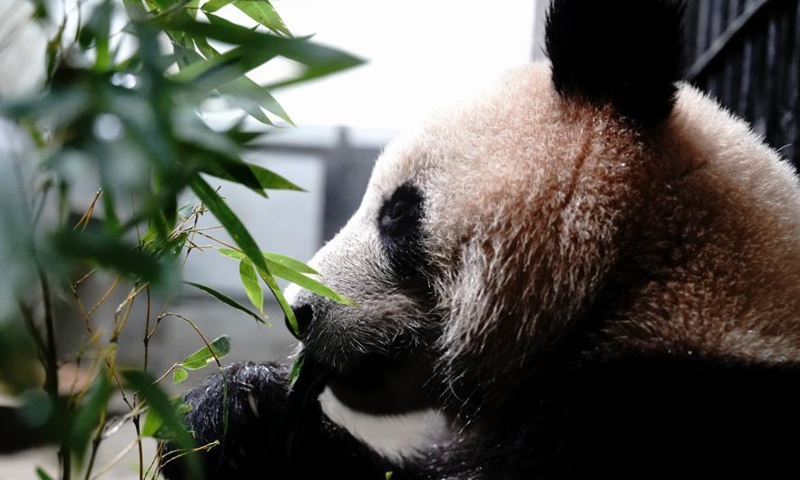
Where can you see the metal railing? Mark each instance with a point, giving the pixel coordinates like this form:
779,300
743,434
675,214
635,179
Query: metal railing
746,53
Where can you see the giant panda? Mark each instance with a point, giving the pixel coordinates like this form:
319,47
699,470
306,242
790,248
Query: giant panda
590,271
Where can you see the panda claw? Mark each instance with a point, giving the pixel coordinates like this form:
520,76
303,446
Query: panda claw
251,401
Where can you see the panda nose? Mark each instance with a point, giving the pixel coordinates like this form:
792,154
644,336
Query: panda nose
304,314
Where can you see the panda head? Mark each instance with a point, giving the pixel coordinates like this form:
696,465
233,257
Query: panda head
494,231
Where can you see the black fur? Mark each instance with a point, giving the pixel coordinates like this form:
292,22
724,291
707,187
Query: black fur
623,418
657,417
624,52
277,435
400,228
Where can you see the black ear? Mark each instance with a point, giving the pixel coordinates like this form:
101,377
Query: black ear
624,52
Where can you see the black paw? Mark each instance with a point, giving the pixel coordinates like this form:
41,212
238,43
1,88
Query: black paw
242,413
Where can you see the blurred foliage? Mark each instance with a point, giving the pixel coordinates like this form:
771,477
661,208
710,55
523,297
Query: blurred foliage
122,109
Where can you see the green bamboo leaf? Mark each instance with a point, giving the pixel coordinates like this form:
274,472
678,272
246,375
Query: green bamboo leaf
179,375
244,88
273,286
227,300
224,24
195,133
42,474
215,5
270,180
250,105
242,136
89,415
297,368
252,286
169,417
231,253
220,347
321,59
230,221
101,248
101,36
159,5
310,284
187,210
264,13
152,424
53,50
212,72
228,168
252,176
245,241
290,262
201,43
251,108
193,7
278,294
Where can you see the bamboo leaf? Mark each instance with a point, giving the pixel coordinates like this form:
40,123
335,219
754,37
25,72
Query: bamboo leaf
246,89
230,221
220,347
179,375
291,320
231,253
252,286
99,247
310,284
193,7
251,107
320,58
152,424
210,73
265,275
297,367
264,13
89,415
215,5
53,50
244,92
231,169
168,415
290,262
42,474
227,300
270,180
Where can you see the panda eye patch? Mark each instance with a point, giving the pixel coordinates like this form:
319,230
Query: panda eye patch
400,228
401,213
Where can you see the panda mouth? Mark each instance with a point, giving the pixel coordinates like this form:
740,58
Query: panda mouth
385,385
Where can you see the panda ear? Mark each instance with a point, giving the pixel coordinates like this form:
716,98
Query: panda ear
624,52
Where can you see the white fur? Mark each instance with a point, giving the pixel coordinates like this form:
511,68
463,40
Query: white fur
396,437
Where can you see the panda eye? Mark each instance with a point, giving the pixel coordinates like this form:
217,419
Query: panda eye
400,215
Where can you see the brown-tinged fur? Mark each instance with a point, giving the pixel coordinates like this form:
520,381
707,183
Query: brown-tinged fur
717,254
535,205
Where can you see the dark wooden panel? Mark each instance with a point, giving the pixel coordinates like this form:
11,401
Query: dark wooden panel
746,53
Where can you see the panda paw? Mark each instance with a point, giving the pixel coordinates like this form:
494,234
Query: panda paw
241,411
